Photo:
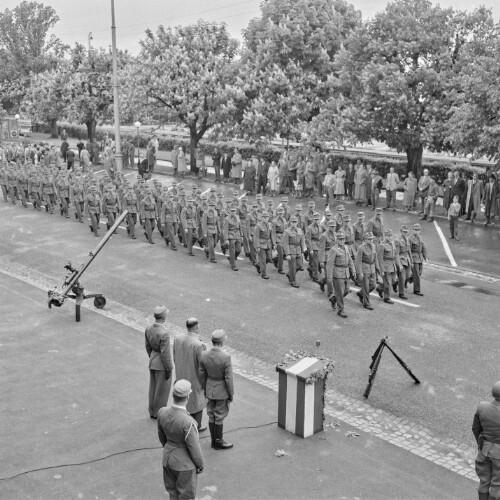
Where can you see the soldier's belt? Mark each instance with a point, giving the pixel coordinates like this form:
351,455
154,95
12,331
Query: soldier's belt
389,260
365,261
341,265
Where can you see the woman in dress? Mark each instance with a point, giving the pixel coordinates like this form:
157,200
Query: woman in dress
272,178
339,183
360,185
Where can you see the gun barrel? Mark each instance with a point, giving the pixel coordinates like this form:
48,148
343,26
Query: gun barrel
93,254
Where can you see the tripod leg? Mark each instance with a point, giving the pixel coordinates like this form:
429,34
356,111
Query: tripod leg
77,312
403,364
374,368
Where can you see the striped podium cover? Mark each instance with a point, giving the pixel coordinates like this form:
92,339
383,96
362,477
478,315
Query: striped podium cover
301,405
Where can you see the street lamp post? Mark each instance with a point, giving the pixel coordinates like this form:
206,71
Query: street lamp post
116,94
137,125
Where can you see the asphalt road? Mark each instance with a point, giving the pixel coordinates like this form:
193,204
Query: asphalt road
448,338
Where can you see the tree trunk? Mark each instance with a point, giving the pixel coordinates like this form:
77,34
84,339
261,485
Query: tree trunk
414,158
53,128
193,144
91,126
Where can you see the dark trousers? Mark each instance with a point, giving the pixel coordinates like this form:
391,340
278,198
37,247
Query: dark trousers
389,279
340,289
25,196
49,199
94,223
403,277
350,190
37,203
131,222
188,233
417,272
454,226
234,251
5,192
391,198
180,484
251,248
246,238
65,206
217,409
264,256
367,286
314,263
261,182
159,389
198,416
169,233
211,243
149,225
111,219
281,254
14,195
294,264
374,197
217,172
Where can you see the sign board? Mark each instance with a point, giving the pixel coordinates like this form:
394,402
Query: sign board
9,129
24,124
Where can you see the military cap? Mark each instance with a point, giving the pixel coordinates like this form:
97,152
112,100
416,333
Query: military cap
233,208
316,215
293,219
404,227
332,223
182,388
341,235
346,216
220,195
218,335
340,208
369,236
204,197
191,322
328,213
387,232
311,204
213,189
416,226
284,199
361,214
378,210
160,311
190,199
194,186
270,202
183,194
280,210
198,191
298,207
265,213
255,204
211,202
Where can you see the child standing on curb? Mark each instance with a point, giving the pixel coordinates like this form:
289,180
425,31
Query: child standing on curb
453,213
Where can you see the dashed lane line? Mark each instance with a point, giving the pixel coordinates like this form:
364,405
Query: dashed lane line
446,247
412,437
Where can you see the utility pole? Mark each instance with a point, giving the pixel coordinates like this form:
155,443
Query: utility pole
116,94
90,38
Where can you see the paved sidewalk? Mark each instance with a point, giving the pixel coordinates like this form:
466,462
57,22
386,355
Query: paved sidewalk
77,394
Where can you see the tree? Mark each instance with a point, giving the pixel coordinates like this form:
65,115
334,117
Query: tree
399,73
187,70
289,56
25,48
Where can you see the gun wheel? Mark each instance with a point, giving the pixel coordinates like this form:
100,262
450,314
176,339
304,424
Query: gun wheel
99,302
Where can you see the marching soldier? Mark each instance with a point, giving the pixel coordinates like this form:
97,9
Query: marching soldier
263,243
34,188
326,242
92,208
252,220
403,249
301,221
63,187
376,226
76,195
349,234
188,219
418,256
360,230
339,266
216,372
111,205
147,207
211,230
278,228
242,212
232,236
309,215
293,246
22,183
131,203
49,191
287,212
313,235
168,220
339,217
389,264
367,267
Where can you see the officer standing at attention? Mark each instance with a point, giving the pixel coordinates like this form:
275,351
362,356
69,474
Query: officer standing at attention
390,266
216,371
418,255
160,362
187,354
403,249
182,456
486,430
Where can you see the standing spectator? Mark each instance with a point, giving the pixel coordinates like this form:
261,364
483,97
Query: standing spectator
181,162
491,195
328,183
486,430
151,156
369,185
423,187
236,166
376,187
64,135
292,168
226,167
182,456
309,178
216,372
249,176
458,188
216,158
430,201
350,175
300,174
272,178
80,147
187,352
160,362
453,215
262,176
125,153
200,162
283,170
70,159
447,185
85,160
320,176
339,190
131,153
64,149
391,186
475,191
174,158
410,187
360,180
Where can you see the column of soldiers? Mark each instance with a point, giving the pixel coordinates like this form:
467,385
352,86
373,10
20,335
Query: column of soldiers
337,251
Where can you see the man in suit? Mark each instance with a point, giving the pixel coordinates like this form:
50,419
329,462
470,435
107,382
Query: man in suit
187,354
339,266
486,430
182,456
391,187
475,191
367,268
226,167
216,373
349,180
423,187
491,194
160,362
458,188
418,256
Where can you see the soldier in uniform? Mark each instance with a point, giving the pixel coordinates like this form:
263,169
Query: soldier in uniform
339,217
376,226
418,256
360,230
63,187
92,208
403,249
147,207
367,267
326,241
349,234
286,208
12,185
486,430
49,191
232,236
130,203
339,266
157,341
242,212
211,229
263,242
389,264
22,182
278,227
327,215
188,219
251,221
187,352
182,456
111,205
4,184
34,188
216,371
76,195
313,235
168,220
309,215
293,246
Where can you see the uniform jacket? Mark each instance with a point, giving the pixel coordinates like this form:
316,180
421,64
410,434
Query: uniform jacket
157,342
188,218
418,251
232,228
111,203
168,212
475,191
339,264
187,354
262,236
313,235
179,437
326,241
293,241
366,262
92,203
130,201
457,188
279,226
376,226
487,422
490,195
216,374
148,207
403,249
388,258
359,233
210,222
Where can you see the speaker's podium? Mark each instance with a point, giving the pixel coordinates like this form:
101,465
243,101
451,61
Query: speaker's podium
301,395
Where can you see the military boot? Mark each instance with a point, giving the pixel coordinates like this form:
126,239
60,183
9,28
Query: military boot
220,444
211,426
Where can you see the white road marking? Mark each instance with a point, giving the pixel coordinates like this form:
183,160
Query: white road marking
445,245
99,171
